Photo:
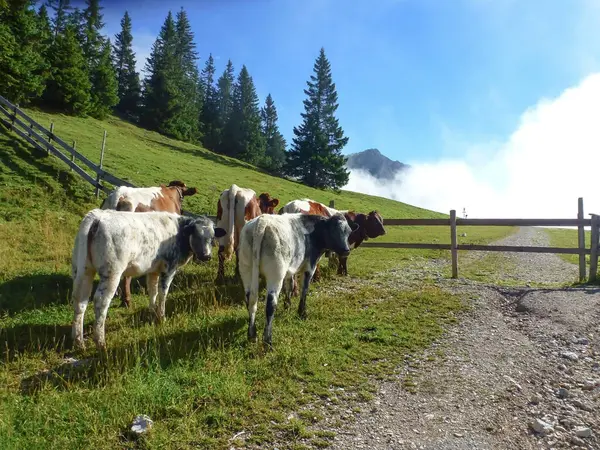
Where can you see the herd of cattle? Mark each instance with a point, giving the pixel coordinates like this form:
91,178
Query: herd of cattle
114,243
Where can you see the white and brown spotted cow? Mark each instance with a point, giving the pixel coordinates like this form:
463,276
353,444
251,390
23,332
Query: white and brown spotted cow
235,207
278,247
116,243
155,198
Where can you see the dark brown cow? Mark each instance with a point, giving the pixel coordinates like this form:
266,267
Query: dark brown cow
370,227
156,198
235,207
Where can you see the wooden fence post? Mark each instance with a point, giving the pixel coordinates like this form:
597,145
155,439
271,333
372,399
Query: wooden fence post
98,177
332,204
72,154
50,137
594,249
453,244
581,240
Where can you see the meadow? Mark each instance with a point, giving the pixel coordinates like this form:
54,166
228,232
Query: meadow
195,375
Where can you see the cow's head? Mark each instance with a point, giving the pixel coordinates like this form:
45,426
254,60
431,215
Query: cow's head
374,225
266,203
200,233
335,232
182,188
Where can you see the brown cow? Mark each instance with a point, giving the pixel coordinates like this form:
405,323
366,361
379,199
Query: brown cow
370,227
156,198
235,207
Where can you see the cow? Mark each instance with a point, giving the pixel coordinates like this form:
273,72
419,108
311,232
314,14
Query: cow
116,243
156,198
371,225
235,207
279,246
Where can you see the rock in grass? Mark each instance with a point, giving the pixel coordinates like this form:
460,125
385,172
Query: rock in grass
141,424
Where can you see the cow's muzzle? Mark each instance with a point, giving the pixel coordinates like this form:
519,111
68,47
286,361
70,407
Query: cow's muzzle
203,258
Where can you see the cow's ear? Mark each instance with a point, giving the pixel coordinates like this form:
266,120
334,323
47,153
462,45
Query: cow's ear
220,232
189,191
274,202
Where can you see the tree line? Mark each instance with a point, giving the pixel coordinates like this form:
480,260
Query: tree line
57,58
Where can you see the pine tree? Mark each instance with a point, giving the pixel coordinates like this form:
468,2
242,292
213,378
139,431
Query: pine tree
128,80
61,10
69,86
23,69
224,105
76,21
316,154
275,155
209,111
161,96
243,138
189,79
93,42
104,84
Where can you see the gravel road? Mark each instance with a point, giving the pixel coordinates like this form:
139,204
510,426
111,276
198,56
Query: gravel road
521,370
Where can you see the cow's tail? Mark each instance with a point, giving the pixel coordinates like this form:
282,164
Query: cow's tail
259,232
231,225
83,240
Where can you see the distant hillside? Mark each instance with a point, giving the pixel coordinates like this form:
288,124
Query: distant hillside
378,165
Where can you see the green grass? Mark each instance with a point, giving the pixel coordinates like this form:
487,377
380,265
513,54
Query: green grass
567,237
195,375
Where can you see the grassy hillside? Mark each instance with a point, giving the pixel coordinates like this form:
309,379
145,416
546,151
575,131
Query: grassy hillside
195,375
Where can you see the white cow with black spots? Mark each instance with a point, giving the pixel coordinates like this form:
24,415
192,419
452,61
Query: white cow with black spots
115,243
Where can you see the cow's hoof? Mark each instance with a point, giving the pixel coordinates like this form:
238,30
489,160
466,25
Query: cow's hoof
125,304
302,315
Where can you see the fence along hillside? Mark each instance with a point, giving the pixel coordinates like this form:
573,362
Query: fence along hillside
38,136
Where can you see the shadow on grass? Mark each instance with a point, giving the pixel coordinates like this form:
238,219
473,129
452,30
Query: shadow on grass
33,338
161,351
39,160
34,291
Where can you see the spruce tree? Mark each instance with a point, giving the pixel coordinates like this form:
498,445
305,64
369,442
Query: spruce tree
316,154
23,69
93,41
224,105
61,10
209,112
243,138
128,80
68,88
275,155
188,126
104,84
161,96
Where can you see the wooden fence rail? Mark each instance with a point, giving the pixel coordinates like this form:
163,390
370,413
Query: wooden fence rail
454,247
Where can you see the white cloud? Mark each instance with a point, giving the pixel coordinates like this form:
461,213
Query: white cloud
542,168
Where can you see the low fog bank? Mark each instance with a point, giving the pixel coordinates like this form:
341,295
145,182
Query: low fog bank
550,160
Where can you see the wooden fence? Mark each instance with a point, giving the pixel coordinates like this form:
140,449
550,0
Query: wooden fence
580,222
46,140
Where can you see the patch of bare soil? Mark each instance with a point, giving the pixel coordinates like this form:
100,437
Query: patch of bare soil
521,370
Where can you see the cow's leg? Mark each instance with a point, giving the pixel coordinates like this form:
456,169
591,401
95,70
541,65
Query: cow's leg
152,286
82,289
237,266
163,290
126,292
342,270
221,270
295,286
308,274
275,280
289,286
251,302
316,274
102,298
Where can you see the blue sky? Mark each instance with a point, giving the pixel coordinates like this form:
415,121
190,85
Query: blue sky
415,78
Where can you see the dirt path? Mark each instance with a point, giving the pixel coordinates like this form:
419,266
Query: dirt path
520,359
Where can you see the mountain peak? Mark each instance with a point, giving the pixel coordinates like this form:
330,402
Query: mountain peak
377,164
